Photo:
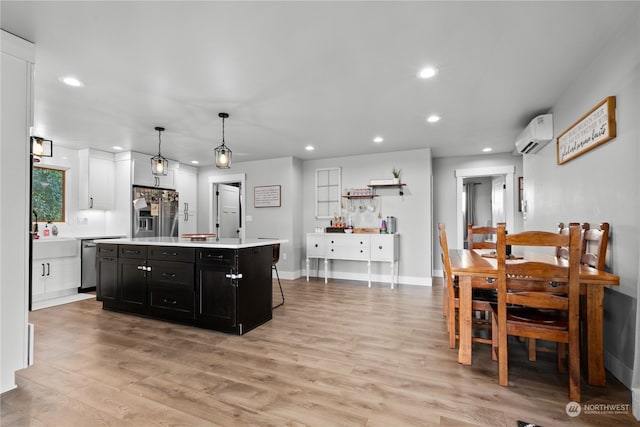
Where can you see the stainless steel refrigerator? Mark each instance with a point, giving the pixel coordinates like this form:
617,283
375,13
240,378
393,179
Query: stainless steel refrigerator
154,212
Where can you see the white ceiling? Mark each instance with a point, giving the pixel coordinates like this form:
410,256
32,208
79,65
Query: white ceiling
330,74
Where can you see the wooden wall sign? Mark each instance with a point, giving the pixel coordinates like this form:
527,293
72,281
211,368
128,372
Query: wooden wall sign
267,196
594,128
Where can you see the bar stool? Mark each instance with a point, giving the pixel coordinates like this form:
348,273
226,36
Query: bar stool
274,261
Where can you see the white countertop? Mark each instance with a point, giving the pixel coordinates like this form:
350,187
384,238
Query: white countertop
179,241
72,237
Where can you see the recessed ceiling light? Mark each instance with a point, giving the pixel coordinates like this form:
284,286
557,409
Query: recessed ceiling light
117,147
72,81
433,118
378,139
428,72
195,162
309,148
487,149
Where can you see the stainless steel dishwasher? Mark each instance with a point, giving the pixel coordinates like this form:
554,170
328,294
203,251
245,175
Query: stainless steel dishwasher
88,255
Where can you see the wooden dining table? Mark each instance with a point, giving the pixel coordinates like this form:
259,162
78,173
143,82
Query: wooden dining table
477,271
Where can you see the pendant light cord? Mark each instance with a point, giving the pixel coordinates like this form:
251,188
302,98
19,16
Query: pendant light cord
223,131
159,142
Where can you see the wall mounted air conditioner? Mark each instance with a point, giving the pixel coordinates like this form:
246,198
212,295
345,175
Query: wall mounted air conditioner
537,134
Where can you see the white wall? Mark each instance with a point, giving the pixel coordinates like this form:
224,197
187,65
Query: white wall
444,191
600,185
296,216
413,210
17,61
279,222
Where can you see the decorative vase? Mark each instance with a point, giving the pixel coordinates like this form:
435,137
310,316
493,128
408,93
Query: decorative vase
396,180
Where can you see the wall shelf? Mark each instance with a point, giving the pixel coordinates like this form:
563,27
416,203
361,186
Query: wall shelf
368,196
398,186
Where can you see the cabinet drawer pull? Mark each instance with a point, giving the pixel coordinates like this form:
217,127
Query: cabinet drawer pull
166,301
170,253
48,269
316,245
380,247
42,269
234,276
105,250
129,251
172,275
215,256
90,202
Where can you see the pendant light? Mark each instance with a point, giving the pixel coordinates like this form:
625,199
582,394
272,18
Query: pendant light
222,152
159,164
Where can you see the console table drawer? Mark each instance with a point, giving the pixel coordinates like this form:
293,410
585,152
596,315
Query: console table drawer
316,247
383,247
348,253
348,247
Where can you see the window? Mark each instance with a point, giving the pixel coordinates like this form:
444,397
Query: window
47,194
327,192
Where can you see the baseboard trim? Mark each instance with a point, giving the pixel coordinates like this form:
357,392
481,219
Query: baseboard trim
362,277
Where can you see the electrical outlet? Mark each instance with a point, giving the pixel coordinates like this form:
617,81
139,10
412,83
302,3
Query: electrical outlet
83,220
284,256
248,218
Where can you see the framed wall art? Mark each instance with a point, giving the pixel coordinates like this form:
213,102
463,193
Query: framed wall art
596,127
266,196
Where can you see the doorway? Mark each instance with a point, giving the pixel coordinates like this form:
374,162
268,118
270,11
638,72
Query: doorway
226,208
502,176
226,202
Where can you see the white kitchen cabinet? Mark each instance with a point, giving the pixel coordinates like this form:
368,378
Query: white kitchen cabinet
55,268
142,175
187,186
354,247
96,179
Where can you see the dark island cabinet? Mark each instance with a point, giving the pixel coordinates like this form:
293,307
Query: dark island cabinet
107,272
233,288
170,288
224,289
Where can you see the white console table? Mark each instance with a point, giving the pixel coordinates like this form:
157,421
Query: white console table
354,247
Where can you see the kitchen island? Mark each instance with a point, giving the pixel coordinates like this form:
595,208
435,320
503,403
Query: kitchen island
223,285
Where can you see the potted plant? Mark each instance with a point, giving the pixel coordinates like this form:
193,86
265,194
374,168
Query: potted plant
396,175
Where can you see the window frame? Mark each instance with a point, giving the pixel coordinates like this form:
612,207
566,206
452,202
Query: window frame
331,186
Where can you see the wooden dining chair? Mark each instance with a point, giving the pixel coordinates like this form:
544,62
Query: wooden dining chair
539,300
480,301
562,251
480,231
594,245
593,250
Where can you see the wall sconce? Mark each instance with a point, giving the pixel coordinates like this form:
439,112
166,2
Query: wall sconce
41,147
222,152
159,164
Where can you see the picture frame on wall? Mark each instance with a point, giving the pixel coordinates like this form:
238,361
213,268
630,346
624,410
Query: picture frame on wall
596,127
267,196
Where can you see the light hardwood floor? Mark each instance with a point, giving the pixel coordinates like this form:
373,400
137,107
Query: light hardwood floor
334,355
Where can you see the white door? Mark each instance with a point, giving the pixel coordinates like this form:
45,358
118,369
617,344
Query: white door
498,192
228,211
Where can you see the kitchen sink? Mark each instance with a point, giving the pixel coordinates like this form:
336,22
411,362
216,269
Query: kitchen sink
55,247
